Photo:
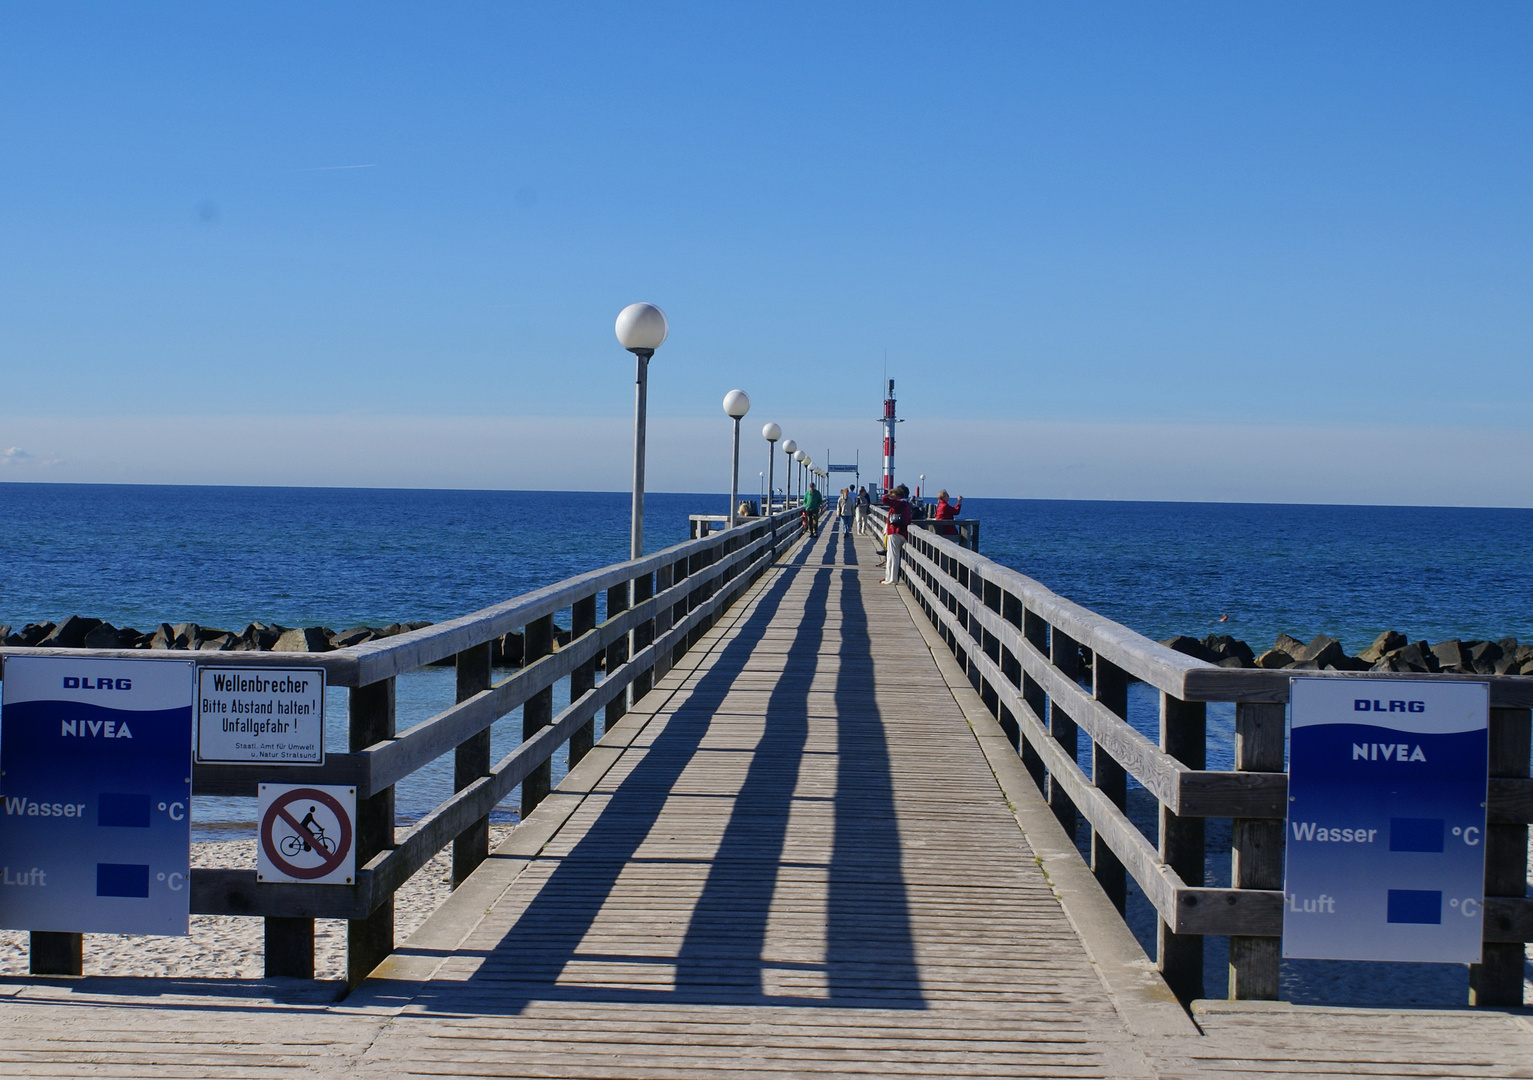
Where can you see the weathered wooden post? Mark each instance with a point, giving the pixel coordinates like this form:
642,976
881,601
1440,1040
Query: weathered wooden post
52,952
1183,735
471,761
1257,859
1498,978
583,678
1037,633
1109,685
665,617
1065,653
643,636
537,711
617,652
370,940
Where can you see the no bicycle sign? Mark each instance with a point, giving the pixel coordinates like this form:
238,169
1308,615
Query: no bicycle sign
306,834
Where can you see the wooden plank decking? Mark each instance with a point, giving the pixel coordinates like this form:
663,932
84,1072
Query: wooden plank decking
793,860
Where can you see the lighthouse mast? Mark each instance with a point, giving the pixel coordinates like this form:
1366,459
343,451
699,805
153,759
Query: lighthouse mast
889,421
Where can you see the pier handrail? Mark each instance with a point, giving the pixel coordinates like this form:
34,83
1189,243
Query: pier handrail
658,606
1048,669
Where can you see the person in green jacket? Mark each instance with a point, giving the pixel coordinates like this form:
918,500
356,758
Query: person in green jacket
812,503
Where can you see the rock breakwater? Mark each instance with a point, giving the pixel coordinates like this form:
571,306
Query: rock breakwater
84,632
1390,651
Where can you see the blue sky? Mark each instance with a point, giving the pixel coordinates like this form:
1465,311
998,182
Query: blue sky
1233,227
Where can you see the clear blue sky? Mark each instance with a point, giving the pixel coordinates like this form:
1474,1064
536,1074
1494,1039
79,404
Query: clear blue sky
1314,216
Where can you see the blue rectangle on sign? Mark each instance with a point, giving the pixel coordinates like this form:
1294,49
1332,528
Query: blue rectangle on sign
122,879
1415,906
123,811
1415,834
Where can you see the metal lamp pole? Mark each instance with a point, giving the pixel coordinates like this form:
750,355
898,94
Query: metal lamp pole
790,448
771,433
736,405
641,329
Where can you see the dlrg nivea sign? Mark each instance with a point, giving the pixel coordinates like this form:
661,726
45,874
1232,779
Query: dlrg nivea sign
1385,853
95,795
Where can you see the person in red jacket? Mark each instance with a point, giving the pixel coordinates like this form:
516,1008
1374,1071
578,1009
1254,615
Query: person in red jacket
896,531
947,511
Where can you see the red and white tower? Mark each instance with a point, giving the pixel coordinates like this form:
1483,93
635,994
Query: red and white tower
889,421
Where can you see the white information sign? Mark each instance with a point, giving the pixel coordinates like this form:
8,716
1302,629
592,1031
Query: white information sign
1385,857
274,716
306,833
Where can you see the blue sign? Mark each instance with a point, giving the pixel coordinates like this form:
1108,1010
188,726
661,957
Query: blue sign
96,786
1385,855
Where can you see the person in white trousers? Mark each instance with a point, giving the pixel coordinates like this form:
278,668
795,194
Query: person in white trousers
896,531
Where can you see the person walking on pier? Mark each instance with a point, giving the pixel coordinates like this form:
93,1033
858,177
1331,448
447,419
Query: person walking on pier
812,503
947,511
844,511
896,531
864,502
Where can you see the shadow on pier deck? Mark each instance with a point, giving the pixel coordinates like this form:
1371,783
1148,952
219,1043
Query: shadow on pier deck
799,855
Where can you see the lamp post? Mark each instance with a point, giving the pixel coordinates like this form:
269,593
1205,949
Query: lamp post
800,457
790,448
641,329
921,491
771,433
736,405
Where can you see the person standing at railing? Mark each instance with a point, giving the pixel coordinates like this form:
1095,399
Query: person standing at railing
895,531
844,511
947,511
812,503
864,502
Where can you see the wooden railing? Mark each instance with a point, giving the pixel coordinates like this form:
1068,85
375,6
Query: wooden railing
1050,670
657,607
965,531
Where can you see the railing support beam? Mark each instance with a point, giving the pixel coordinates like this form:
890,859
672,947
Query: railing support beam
537,711
1257,859
1110,687
1183,735
583,678
471,761
1497,980
369,941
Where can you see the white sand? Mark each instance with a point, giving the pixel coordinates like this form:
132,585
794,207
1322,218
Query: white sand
224,946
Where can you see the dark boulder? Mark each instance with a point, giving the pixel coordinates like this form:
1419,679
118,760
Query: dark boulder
1388,641
258,637
1290,645
506,650
30,634
164,637
1414,657
355,636
105,636
416,625
1484,655
304,639
1191,646
1273,659
70,634
1226,648
1452,656
223,642
1324,651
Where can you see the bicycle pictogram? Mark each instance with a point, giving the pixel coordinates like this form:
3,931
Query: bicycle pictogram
306,834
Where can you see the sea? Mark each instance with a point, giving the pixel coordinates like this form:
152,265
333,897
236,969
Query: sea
225,556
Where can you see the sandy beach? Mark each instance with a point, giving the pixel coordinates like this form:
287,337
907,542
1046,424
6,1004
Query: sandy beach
224,946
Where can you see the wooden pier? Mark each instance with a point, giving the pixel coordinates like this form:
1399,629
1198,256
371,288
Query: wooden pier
808,847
